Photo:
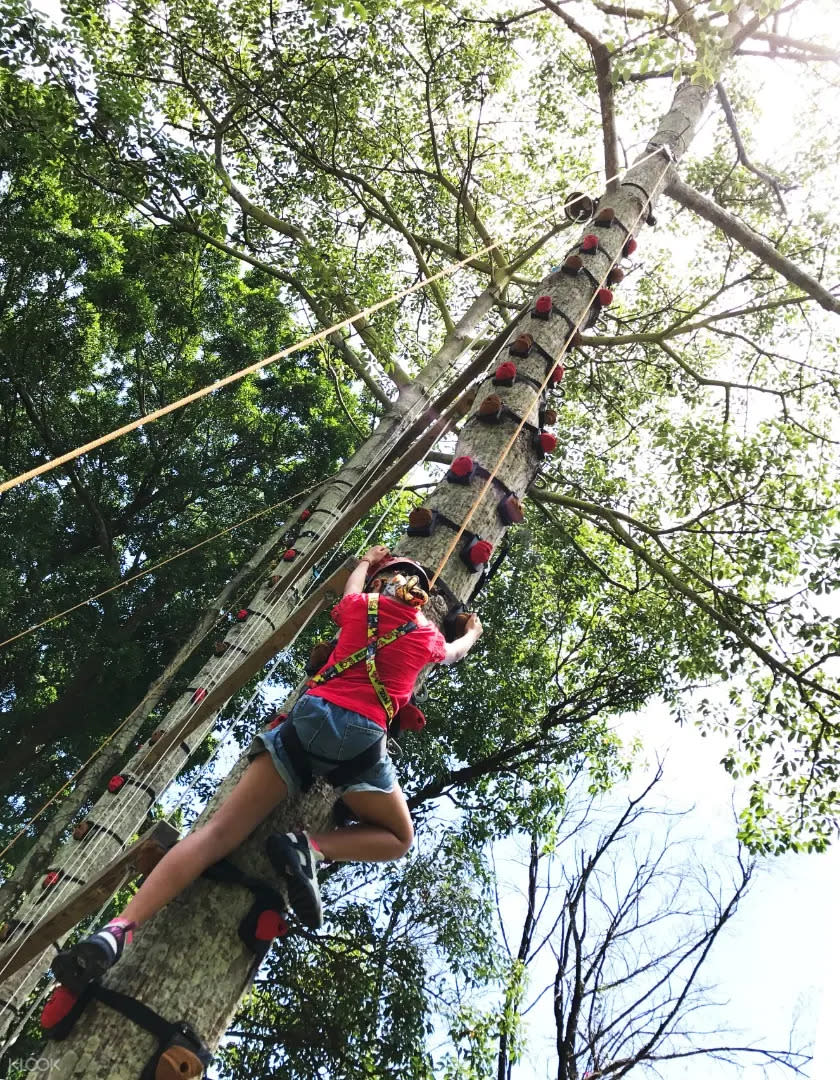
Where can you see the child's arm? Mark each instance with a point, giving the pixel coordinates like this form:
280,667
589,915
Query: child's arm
458,649
358,577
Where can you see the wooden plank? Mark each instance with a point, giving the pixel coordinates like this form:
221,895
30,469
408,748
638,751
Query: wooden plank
249,667
134,861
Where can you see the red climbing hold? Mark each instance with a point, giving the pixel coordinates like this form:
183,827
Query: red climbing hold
116,783
479,552
630,246
270,924
505,374
461,471
547,441
57,1006
305,515
410,718
557,375
605,297
289,554
542,308
50,879
199,695
589,242
242,614
522,345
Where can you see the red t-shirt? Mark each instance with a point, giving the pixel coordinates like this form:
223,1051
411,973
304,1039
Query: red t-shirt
398,664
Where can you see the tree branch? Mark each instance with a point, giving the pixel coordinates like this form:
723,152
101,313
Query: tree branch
771,181
606,98
742,234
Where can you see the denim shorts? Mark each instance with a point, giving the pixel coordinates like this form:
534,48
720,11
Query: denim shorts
334,733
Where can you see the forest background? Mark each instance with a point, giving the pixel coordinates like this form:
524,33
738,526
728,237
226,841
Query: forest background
186,190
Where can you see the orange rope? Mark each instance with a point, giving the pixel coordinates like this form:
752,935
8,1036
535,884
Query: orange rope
228,379
157,566
477,502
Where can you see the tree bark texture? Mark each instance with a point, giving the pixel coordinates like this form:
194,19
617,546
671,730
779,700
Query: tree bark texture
188,962
115,818
39,857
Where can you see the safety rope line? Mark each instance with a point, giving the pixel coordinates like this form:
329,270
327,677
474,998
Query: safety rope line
88,854
566,344
311,339
157,566
47,466
234,720
405,422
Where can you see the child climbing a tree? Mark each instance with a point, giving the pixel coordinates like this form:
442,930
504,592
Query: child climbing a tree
337,729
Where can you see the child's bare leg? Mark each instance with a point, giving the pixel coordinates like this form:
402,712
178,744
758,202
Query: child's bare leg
259,790
385,832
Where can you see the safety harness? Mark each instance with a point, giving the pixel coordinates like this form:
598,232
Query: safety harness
344,772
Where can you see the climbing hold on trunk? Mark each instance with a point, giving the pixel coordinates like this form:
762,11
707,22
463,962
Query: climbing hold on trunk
490,410
116,783
572,265
557,375
510,510
522,345
546,442
615,276
542,308
421,521
605,217
505,374
605,297
198,695
58,1012
589,243
630,246
475,553
462,470
289,555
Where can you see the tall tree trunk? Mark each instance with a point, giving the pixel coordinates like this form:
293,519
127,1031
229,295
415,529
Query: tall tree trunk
188,962
115,818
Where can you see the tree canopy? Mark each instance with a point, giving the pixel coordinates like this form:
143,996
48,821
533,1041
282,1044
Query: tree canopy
187,188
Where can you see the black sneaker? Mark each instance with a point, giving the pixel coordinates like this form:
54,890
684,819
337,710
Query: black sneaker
91,957
294,858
